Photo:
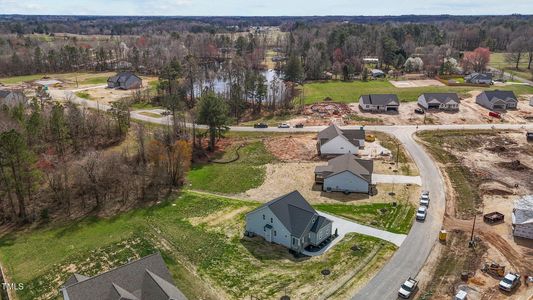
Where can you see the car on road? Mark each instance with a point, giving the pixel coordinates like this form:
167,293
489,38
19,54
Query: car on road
407,288
421,213
424,200
284,125
299,125
509,282
260,125
419,111
425,193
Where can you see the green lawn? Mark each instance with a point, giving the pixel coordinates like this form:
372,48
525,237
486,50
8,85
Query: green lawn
497,60
84,95
95,80
143,105
347,92
397,219
246,173
201,239
20,79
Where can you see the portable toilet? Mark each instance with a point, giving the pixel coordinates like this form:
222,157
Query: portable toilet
461,295
442,235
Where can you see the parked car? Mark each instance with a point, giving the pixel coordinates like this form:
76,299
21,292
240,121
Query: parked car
284,125
425,193
421,213
509,282
407,288
419,111
495,114
260,125
299,125
424,200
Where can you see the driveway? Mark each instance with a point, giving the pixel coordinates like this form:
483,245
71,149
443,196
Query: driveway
344,227
401,179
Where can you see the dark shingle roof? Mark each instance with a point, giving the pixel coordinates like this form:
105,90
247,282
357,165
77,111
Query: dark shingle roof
380,99
320,223
352,135
4,93
499,95
134,279
293,211
122,77
441,97
348,162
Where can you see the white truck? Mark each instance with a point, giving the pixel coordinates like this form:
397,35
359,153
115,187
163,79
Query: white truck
407,288
509,282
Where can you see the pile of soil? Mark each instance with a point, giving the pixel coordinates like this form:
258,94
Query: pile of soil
292,148
514,165
327,109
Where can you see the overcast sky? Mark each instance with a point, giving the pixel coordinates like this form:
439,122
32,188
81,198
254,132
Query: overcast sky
264,7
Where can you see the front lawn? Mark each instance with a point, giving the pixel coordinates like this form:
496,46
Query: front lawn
497,60
235,177
340,91
397,219
201,239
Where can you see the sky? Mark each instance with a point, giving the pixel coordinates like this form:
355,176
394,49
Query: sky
264,7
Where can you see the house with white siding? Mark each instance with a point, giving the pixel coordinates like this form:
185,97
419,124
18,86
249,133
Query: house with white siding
347,174
379,103
124,81
523,217
290,221
12,98
336,141
441,101
497,100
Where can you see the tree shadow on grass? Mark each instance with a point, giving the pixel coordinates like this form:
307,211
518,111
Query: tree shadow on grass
265,251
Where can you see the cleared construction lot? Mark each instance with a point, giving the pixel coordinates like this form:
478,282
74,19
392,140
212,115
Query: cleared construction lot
485,171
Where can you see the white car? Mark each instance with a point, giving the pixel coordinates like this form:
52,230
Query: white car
421,213
407,288
424,200
509,282
284,125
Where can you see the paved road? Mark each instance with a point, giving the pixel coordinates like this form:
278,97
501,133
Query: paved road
509,75
412,254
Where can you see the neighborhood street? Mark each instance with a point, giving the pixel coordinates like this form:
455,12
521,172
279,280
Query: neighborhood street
411,256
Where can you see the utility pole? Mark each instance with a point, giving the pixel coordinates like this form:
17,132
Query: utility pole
471,243
397,155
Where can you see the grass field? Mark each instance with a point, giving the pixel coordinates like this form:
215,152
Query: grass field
95,80
347,92
201,239
497,60
84,78
246,173
397,219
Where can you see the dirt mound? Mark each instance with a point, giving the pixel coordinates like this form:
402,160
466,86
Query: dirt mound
495,188
293,148
513,165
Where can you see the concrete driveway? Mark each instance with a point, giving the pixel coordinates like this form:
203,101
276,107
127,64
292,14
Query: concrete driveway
344,227
401,179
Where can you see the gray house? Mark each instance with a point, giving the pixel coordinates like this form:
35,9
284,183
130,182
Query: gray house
479,78
12,98
346,174
335,141
124,81
145,279
377,73
289,221
379,102
442,101
497,100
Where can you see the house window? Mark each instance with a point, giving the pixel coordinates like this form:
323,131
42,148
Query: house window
263,217
271,220
274,233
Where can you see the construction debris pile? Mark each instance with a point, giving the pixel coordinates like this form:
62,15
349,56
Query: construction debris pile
327,109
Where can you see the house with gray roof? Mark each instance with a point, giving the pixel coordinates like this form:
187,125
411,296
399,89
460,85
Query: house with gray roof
497,100
379,102
336,141
290,221
124,81
442,101
479,78
12,98
145,279
523,217
345,173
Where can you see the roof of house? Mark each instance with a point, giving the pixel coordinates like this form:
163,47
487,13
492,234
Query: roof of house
122,77
320,223
331,132
138,280
348,162
380,99
295,213
443,98
479,76
523,210
4,93
499,95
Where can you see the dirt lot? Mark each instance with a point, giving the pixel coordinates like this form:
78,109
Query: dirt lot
469,113
416,83
503,165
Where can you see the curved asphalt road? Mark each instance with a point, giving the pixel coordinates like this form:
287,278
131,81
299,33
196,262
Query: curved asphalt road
411,256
